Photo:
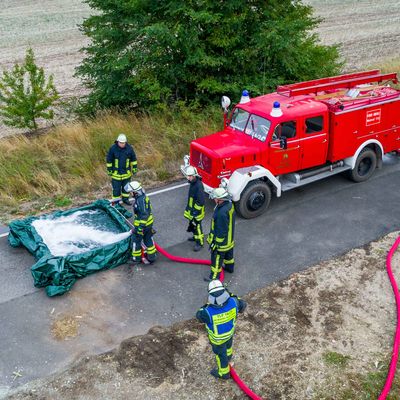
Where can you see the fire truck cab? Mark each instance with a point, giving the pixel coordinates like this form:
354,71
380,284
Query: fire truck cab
301,133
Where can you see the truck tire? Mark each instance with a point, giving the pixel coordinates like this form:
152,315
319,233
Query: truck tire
254,199
365,166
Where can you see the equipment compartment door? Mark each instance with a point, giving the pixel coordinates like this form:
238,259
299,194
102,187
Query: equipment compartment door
313,142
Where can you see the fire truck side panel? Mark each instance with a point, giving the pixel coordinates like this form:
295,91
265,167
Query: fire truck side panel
349,129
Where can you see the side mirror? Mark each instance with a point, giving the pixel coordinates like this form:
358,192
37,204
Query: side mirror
283,142
225,103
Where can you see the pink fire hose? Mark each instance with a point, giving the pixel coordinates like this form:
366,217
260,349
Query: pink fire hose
186,260
395,351
233,373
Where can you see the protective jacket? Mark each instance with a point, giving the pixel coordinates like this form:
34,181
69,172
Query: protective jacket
143,213
222,227
220,320
121,162
195,204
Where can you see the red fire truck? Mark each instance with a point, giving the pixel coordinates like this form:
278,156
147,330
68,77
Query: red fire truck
301,133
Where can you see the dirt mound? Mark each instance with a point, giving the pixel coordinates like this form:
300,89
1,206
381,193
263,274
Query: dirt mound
154,357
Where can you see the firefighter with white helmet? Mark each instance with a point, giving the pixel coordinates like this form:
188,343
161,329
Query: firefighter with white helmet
221,236
121,165
143,223
194,211
219,316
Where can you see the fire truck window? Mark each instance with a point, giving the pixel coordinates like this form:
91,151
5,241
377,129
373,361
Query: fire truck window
239,119
258,127
314,124
287,129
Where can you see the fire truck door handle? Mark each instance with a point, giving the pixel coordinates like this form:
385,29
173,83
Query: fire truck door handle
325,140
355,132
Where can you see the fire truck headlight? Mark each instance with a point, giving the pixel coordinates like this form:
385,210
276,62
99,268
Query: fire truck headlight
186,160
224,183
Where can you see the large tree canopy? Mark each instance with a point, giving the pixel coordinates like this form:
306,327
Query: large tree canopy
144,52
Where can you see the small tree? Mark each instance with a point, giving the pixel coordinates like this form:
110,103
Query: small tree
25,95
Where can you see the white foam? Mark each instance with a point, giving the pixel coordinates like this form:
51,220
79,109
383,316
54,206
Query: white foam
62,234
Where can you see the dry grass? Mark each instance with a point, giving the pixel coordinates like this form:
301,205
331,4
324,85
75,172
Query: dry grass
64,328
70,159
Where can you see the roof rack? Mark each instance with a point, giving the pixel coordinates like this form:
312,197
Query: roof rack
341,81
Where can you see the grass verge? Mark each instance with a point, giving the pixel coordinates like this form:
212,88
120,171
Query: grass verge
345,383
68,163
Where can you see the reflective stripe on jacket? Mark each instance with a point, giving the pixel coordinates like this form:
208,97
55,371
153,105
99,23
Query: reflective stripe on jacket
143,212
223,226
222,320
121,162
195,203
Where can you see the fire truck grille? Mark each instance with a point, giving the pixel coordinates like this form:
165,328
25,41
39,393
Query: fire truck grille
201,161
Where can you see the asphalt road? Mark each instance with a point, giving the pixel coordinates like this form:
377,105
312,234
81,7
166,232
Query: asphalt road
307,225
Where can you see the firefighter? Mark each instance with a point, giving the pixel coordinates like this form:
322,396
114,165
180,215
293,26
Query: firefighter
194,211
121,165
221,236
143,224
219,316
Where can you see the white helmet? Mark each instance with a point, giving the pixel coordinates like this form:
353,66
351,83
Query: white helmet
122,138
133,186
220,193
191,171
217,294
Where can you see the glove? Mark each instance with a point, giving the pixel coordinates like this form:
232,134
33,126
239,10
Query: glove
139,231
209,239
109,172
134,170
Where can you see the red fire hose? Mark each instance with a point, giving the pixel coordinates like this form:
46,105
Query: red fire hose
396,341
187,260
233,373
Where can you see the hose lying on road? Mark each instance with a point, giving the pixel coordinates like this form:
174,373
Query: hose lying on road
186,260
396,341
233,373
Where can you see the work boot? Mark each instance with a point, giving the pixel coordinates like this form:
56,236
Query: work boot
191,239
197,247
229,269
134,262
214,372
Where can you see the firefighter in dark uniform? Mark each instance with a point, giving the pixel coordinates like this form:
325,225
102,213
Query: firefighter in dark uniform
143,224
194,211
219,316
221,236
121,165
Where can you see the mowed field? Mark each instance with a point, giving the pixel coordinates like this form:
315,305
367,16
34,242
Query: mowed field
369,31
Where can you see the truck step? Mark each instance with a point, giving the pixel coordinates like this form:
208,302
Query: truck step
289,183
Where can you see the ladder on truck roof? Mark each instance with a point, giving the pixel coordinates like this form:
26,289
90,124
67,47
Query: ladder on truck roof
341,81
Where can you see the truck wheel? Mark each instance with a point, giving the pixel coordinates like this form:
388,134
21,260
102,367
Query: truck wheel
254,200
365,166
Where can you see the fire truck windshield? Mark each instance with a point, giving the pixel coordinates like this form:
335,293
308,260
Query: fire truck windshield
253,125
257,127
239,119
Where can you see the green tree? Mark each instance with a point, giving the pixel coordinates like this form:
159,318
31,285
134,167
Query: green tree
147,51
26,95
